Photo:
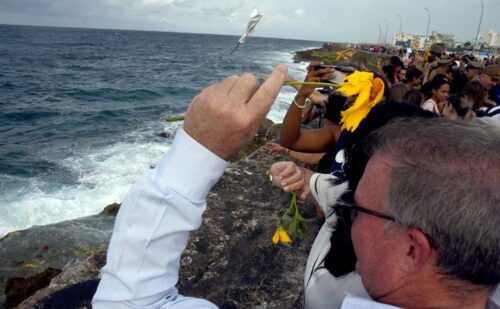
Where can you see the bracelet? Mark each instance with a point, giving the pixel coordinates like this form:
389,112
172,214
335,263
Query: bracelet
298,106
268,173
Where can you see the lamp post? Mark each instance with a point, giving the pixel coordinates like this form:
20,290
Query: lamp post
480,20
400,23
428,24
380,33
386,29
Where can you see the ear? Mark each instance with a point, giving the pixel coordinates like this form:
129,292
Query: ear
419,251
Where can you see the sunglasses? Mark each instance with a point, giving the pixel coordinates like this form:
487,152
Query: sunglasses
347,210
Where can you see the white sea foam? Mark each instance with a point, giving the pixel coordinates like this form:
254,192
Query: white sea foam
296,71
104,176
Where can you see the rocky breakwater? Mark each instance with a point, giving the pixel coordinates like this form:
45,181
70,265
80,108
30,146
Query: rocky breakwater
343,55
231,260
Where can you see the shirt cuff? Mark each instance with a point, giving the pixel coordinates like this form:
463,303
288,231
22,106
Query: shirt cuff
189,168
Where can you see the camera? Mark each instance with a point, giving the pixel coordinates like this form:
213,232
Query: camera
343,69
331,67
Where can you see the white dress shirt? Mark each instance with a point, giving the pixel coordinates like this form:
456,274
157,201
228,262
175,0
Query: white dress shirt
152,229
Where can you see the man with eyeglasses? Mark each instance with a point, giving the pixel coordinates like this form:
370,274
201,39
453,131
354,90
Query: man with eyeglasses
424,219
439,181
425,225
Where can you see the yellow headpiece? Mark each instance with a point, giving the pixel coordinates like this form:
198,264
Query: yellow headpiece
369,90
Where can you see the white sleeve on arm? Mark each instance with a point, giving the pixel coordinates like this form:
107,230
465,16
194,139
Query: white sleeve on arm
152,229
326,189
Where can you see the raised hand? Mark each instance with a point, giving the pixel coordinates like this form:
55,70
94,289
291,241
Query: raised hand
225,116
315,75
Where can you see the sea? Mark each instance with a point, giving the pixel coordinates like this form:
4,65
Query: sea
83,111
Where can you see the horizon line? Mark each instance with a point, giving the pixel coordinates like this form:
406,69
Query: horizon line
164,31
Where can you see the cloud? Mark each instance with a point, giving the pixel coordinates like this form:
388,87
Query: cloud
233,17
328,20
300,13
158,3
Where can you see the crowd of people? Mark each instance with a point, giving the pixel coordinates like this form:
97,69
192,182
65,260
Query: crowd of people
407,172
340,156
438,75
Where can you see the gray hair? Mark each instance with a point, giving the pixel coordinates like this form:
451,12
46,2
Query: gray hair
445,181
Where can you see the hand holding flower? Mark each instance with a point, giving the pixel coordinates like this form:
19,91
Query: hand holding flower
290,178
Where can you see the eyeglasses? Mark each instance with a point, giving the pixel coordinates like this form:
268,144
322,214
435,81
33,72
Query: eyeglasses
347,210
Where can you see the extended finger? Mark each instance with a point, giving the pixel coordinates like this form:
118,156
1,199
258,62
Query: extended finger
325,71
296,186
293,178
277,168
261,101
326,77
243,89
312,66
287,171
294,183
227,84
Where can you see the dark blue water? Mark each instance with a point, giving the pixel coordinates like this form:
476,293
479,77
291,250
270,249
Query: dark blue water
81,109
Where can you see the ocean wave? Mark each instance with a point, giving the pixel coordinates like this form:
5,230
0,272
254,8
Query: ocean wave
77,44
28,115
82,57
8,85
101,177
114,94
90,67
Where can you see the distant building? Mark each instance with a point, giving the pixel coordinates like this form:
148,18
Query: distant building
402,39
409,40
446,39
420,42
492,39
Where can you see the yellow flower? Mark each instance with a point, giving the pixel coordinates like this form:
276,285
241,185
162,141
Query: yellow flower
281,236
345,54
369,90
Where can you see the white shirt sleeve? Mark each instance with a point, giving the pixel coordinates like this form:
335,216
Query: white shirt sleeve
430,106
152,229
326,190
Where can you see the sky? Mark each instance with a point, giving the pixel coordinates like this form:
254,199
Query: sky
320,20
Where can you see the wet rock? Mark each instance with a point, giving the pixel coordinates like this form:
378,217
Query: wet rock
23,254
169,135
111,209
73,288
18,289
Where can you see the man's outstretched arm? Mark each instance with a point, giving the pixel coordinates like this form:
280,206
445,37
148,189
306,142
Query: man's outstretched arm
157,214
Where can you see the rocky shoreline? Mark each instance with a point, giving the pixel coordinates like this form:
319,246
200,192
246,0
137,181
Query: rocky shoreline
231,260
342,55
